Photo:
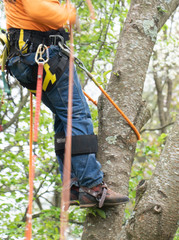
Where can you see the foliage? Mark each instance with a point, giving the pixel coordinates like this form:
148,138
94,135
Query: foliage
147,155
95,45
161,85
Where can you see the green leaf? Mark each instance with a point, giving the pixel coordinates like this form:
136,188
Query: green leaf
101,213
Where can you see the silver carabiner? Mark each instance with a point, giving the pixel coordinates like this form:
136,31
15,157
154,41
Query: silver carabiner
56,38
39,54
64,49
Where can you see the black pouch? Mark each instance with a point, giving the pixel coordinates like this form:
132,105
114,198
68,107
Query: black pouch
24,68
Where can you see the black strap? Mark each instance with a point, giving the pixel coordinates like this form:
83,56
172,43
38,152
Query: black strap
34,38
57,64
81,144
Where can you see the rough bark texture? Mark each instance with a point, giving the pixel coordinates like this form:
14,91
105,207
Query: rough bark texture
158,206
117,142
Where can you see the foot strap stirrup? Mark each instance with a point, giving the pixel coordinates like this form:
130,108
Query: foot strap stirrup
99,195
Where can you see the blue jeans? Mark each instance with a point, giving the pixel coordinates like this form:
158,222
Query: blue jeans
85,168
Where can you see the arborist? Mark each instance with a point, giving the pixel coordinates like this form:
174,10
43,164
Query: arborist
29,24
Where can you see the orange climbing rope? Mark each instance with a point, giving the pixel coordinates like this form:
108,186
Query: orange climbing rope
65,199
89,98
66,50
116,106
81,65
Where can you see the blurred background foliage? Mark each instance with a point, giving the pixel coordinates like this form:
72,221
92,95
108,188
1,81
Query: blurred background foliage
95,45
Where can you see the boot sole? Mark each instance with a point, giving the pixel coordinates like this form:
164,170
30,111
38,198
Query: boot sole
74,203
105,204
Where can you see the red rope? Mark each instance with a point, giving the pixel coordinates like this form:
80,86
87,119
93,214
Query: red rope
28,232
38,99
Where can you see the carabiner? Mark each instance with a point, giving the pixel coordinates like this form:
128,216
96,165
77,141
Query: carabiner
39,54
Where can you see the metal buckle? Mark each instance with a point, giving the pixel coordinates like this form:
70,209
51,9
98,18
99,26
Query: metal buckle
55,38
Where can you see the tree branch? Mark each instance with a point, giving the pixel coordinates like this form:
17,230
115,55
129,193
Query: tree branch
157,128
13,119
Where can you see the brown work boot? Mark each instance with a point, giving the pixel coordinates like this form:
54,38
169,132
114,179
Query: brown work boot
100,196
74,195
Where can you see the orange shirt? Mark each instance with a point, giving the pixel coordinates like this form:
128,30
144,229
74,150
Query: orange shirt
40,15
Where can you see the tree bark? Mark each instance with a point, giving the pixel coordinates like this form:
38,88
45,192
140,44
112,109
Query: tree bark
117,142
159,204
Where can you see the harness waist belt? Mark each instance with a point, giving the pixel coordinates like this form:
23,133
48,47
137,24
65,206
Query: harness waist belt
29,40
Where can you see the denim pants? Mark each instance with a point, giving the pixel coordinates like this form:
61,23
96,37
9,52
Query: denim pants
85,168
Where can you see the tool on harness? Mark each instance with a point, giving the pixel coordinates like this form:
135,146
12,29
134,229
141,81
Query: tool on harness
3,57
40,60
66,50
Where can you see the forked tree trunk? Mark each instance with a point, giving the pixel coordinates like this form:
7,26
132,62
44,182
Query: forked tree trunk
117,142
156,214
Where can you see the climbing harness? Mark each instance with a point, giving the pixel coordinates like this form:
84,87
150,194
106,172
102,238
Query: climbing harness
66,50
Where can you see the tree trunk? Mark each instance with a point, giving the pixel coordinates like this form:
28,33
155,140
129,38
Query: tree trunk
159,204
117,142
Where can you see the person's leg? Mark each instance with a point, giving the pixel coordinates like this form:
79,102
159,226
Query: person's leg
92,191
58,126
85,167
